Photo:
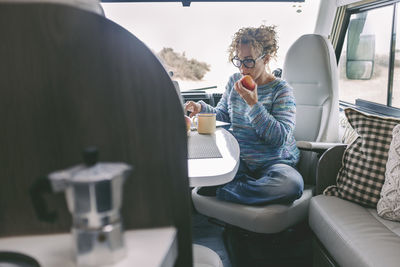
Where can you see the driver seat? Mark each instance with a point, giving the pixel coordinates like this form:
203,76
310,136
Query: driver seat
310,68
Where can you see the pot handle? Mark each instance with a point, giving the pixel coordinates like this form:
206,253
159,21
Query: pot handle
38,189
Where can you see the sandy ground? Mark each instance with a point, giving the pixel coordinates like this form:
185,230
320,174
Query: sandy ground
374,90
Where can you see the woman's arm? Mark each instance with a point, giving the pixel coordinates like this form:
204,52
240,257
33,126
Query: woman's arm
275,127
222,107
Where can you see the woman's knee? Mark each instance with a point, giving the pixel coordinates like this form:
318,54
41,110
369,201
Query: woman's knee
292,181
297,186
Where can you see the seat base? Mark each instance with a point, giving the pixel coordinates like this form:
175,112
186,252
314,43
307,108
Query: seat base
291,247
320,255
254,218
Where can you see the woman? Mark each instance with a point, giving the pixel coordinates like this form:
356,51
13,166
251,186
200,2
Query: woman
262,121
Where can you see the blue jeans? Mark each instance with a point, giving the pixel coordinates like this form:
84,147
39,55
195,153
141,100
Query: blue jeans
278,183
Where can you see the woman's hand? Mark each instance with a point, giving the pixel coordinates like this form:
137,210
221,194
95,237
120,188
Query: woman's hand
193,108
250,97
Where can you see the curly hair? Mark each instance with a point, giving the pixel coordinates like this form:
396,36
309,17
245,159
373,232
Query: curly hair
263,38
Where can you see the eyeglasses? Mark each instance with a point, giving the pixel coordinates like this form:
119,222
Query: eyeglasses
247,62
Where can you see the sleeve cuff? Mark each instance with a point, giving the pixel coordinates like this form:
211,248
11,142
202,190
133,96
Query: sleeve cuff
203,106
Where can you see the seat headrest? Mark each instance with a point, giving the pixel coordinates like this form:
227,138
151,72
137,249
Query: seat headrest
310,68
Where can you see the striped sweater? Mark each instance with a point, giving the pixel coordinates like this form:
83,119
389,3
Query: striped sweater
265,131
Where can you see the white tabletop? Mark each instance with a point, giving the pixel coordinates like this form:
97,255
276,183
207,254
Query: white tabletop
216,171
149,247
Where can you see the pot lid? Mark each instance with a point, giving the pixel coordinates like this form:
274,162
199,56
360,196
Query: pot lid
91,171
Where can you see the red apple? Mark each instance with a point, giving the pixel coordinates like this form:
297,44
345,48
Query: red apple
188,123
248,82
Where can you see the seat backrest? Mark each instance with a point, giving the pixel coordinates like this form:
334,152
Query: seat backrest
310,68
65,87
178,92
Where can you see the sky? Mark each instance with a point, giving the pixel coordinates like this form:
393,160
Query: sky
204,30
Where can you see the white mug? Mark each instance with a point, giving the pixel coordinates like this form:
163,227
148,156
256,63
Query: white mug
205,123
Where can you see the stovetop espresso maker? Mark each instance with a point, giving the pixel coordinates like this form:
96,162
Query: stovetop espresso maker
93,192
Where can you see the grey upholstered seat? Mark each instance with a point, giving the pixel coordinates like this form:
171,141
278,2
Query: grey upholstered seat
205,257
310,68
353,235
77,85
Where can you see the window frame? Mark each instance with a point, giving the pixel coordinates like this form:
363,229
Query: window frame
340,35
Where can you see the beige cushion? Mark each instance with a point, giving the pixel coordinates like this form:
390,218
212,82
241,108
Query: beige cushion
205,257
362,175
389,205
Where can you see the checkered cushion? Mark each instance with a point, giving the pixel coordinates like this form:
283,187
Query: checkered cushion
362,175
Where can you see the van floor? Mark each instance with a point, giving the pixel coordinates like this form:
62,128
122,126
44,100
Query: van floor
209,235
238,248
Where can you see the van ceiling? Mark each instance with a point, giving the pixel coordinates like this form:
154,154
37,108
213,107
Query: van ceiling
187,2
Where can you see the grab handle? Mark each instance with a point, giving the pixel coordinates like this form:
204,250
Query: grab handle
37,191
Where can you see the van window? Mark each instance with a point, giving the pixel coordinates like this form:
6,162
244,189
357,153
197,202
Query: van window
364,61
369,59
198,36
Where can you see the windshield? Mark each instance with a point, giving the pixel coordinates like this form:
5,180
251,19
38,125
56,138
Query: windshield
192,42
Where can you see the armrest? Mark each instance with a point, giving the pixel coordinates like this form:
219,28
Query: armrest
310,153
318,147
328,167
